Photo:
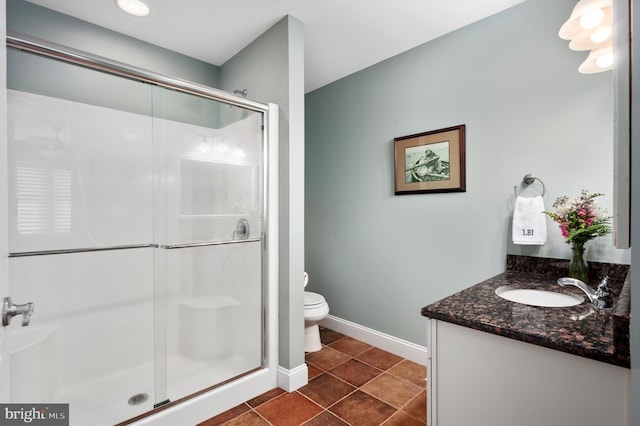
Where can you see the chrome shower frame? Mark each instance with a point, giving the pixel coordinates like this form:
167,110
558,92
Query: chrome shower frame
270,202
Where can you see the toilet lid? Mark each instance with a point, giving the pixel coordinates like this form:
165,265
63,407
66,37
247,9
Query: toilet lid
311,299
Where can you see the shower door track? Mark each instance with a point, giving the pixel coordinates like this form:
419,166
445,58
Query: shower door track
128,247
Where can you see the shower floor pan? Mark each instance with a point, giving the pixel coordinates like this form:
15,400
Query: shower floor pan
105,401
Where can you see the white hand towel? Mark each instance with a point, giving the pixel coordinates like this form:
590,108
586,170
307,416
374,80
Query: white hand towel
529,221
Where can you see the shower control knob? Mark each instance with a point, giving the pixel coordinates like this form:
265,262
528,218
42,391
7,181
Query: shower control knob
242,230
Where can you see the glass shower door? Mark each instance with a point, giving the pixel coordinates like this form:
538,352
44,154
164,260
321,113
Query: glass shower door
209,203
136,221
80,197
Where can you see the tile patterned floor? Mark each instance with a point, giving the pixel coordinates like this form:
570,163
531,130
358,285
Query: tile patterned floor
350,383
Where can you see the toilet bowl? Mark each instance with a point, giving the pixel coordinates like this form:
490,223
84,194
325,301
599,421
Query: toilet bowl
315,309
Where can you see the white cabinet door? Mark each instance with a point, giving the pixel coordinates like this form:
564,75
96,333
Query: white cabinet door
484,379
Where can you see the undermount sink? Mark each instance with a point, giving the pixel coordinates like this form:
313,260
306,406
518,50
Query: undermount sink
533,297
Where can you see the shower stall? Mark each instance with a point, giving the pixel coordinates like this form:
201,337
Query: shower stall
142,241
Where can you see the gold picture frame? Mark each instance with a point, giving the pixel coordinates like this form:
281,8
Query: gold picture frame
431,161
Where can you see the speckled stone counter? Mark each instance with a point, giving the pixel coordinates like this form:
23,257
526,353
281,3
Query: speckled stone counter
580,330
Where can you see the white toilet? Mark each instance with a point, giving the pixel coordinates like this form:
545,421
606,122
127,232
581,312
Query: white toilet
315,309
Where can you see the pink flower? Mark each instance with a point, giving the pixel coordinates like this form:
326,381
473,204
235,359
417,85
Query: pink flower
564,231
580,219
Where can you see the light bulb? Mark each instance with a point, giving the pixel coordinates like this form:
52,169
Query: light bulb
605,60
601,33
599,60
592,19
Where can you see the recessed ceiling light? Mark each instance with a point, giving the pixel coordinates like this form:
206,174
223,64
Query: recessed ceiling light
133,7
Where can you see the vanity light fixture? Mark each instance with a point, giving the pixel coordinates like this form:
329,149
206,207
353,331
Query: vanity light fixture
598,39
592,19
134,7
598,60
586,16
590,27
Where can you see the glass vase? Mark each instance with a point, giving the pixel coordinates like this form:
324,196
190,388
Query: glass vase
578,267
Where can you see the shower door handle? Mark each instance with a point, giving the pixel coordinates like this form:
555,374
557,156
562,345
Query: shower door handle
9,310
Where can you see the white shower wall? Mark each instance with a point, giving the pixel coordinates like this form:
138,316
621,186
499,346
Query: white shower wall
94,170
111,324
81,175
93,321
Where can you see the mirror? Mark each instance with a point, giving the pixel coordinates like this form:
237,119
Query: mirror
621,125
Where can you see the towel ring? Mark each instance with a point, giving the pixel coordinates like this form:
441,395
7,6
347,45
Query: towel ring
528,180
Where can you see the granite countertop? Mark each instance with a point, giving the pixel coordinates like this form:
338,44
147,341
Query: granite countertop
580,330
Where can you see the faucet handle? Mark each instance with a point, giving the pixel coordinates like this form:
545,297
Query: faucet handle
603,289
603,295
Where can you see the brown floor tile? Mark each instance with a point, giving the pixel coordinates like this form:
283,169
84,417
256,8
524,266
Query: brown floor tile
267,396
360,409
313,371
325,419
289,409
417,407
403,419
355,372
357,384
350,346
328,336
326,358
326,390
379,358
392,390
248,419
410,371
226,416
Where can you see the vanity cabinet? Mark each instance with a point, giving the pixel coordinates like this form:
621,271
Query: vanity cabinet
480,378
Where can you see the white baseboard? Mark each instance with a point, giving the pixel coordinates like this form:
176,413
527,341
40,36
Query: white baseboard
408,350
291,380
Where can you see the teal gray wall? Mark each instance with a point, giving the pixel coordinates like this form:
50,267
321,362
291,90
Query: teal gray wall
272,70
36,74
377,257
36,21
33,73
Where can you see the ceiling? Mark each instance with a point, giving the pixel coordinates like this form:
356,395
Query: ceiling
341,36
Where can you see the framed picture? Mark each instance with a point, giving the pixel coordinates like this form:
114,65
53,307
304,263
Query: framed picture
430,162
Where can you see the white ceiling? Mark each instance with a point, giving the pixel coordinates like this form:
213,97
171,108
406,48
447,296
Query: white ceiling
341,36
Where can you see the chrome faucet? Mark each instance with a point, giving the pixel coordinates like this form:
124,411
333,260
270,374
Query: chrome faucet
9,310
600,298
